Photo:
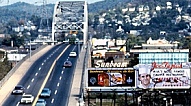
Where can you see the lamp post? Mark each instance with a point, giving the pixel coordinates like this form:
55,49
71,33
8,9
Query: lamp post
78,49
30,50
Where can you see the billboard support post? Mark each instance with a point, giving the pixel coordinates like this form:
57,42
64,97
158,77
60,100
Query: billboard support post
125,97
114,96
133,97
88,97
100,98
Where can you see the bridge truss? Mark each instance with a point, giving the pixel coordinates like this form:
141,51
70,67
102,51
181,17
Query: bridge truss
70,18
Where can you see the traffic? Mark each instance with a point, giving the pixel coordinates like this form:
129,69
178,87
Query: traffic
47,73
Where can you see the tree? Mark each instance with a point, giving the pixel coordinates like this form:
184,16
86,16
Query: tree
17,41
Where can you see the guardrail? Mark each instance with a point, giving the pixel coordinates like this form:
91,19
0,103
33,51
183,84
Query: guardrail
85,65
10,73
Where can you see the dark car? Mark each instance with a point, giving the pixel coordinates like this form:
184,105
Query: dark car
19,89
67,64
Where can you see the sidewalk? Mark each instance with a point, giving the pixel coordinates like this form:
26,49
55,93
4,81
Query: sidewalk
77,79
9,85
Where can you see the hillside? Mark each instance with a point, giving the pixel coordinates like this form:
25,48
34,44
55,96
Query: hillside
26,10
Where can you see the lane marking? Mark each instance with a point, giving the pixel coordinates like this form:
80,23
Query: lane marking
18,104
28,86
52,101
60,78
58,84
55,92
49,72
32,80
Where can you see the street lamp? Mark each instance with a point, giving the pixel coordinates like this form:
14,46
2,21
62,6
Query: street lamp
29,34
78,49
30,50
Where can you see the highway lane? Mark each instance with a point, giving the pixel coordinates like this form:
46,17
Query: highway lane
35,75
60,81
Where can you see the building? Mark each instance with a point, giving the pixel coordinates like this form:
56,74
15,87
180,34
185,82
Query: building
160,51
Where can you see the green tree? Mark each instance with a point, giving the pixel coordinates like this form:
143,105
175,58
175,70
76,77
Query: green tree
5,67
17,41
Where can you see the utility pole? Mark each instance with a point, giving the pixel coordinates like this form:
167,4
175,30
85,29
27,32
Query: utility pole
44,22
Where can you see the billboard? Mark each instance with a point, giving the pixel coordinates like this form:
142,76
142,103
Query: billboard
163,76
171,78
103,78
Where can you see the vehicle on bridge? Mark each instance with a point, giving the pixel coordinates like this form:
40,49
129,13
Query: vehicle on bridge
19,89
41,102
72,54
27,98
46,92
67,64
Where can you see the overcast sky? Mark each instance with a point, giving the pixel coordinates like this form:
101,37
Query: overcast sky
8,2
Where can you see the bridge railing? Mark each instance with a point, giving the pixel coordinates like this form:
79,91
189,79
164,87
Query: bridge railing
10,73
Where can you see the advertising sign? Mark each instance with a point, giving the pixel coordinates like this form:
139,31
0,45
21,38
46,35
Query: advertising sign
111,77
163,76
174,78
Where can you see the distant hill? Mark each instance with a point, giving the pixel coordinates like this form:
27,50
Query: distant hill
105,5
22,10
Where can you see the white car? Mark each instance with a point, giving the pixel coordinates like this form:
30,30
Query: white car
72,54
27,98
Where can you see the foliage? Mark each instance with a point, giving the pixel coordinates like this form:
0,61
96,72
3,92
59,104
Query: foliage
5,67
16,40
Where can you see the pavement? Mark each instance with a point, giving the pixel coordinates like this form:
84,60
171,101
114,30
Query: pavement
75,98
9,85
14,79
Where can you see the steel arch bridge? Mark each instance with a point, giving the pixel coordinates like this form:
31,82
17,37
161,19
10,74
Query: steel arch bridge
70,19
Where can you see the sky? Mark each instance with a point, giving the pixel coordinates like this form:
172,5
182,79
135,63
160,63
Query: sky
9,2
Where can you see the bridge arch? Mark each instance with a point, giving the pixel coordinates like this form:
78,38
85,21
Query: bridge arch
70,18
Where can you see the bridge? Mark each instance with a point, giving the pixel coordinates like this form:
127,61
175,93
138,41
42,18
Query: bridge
70,19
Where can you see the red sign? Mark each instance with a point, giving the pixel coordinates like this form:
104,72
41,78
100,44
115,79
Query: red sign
166,65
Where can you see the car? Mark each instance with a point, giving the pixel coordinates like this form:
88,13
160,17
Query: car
46,92
72,54
27,98
41,102
67,64
19,89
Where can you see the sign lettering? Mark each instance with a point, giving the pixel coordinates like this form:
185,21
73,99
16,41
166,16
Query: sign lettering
109,65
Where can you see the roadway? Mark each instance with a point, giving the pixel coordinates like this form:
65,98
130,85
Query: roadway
42,74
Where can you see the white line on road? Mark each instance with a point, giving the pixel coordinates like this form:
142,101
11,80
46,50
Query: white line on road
58,84
52,100
55,92
28,87
32,80
18,104
36,74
